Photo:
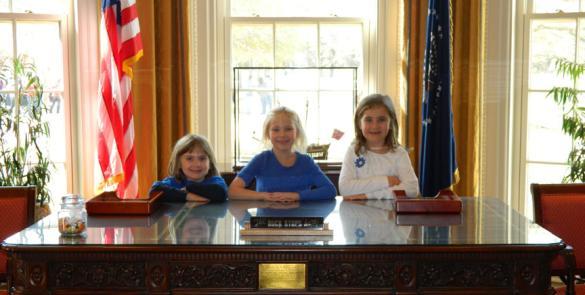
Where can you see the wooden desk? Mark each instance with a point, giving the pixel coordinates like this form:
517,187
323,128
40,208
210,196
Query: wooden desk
199,250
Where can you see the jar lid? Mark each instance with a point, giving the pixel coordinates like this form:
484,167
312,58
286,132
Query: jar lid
71,199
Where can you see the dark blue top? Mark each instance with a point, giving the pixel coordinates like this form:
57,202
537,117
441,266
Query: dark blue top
213,188
304,177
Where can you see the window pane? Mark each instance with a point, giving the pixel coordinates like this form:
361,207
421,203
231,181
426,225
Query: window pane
48,58
336,79
546,35
252,45
4,7
548,6
299,79
40,6
541,173
341,45
545,138
5,39
333,117
319,107
249,125
255,79
6,83
296,45
581,50
299,8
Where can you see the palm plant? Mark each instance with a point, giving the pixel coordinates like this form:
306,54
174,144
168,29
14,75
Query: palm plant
23,127
573,116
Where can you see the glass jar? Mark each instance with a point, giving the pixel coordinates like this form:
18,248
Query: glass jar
72,215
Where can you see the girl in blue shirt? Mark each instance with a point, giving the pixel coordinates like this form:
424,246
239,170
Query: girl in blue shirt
282,173
193,173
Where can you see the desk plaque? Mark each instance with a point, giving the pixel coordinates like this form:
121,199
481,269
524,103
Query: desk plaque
282,275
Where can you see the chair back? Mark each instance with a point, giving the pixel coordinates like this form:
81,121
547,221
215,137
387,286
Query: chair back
17,209
560,209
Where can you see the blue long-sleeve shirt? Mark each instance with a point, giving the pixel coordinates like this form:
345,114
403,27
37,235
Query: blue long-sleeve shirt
304,177
214,189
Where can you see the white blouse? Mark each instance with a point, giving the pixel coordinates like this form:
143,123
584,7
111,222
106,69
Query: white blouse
368,174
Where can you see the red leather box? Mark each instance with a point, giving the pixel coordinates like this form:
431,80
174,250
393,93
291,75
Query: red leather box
444,202
109,203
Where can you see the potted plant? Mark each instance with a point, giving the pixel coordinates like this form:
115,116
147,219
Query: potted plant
573,117
23,128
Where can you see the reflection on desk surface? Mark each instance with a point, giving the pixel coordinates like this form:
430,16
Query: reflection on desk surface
372,222
482,221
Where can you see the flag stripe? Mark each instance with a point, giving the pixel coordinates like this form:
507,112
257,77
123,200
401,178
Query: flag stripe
127,3
129,14
129,30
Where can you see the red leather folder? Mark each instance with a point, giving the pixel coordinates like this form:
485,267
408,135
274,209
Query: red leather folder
445,202
109,203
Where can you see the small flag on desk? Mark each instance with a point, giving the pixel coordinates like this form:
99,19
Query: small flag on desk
337,134
121,48
438,165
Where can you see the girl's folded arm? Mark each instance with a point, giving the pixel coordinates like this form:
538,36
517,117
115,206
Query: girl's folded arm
170,194
238,191
323,188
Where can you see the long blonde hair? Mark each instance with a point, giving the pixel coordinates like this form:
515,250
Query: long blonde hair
186,144
300,143
368,102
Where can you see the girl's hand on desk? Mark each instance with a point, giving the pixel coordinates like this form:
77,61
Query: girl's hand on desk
393,180
281,197
282,205
196,198
355,197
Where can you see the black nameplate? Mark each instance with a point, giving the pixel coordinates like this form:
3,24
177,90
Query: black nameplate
285,222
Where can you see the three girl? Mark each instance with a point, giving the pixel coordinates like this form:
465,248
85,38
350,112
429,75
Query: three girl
193,173
282,173
375,165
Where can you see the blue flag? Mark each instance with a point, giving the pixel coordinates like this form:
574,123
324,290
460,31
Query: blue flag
438,166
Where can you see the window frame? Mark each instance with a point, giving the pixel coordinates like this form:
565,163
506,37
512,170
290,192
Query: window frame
520,142
65,28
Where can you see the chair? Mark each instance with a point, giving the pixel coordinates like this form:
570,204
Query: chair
559,208
318,151
17,209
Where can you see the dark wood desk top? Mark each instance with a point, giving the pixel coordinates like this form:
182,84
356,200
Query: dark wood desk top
488,248
483,221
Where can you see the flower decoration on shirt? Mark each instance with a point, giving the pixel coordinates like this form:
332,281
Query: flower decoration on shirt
360,162
359,233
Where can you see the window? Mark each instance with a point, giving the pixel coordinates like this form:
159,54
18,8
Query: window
555,29
304,35
37,29
319,95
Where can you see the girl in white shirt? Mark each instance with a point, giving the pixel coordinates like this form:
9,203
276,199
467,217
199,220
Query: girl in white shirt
375,165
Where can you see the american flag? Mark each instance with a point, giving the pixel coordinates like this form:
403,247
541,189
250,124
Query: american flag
121,48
